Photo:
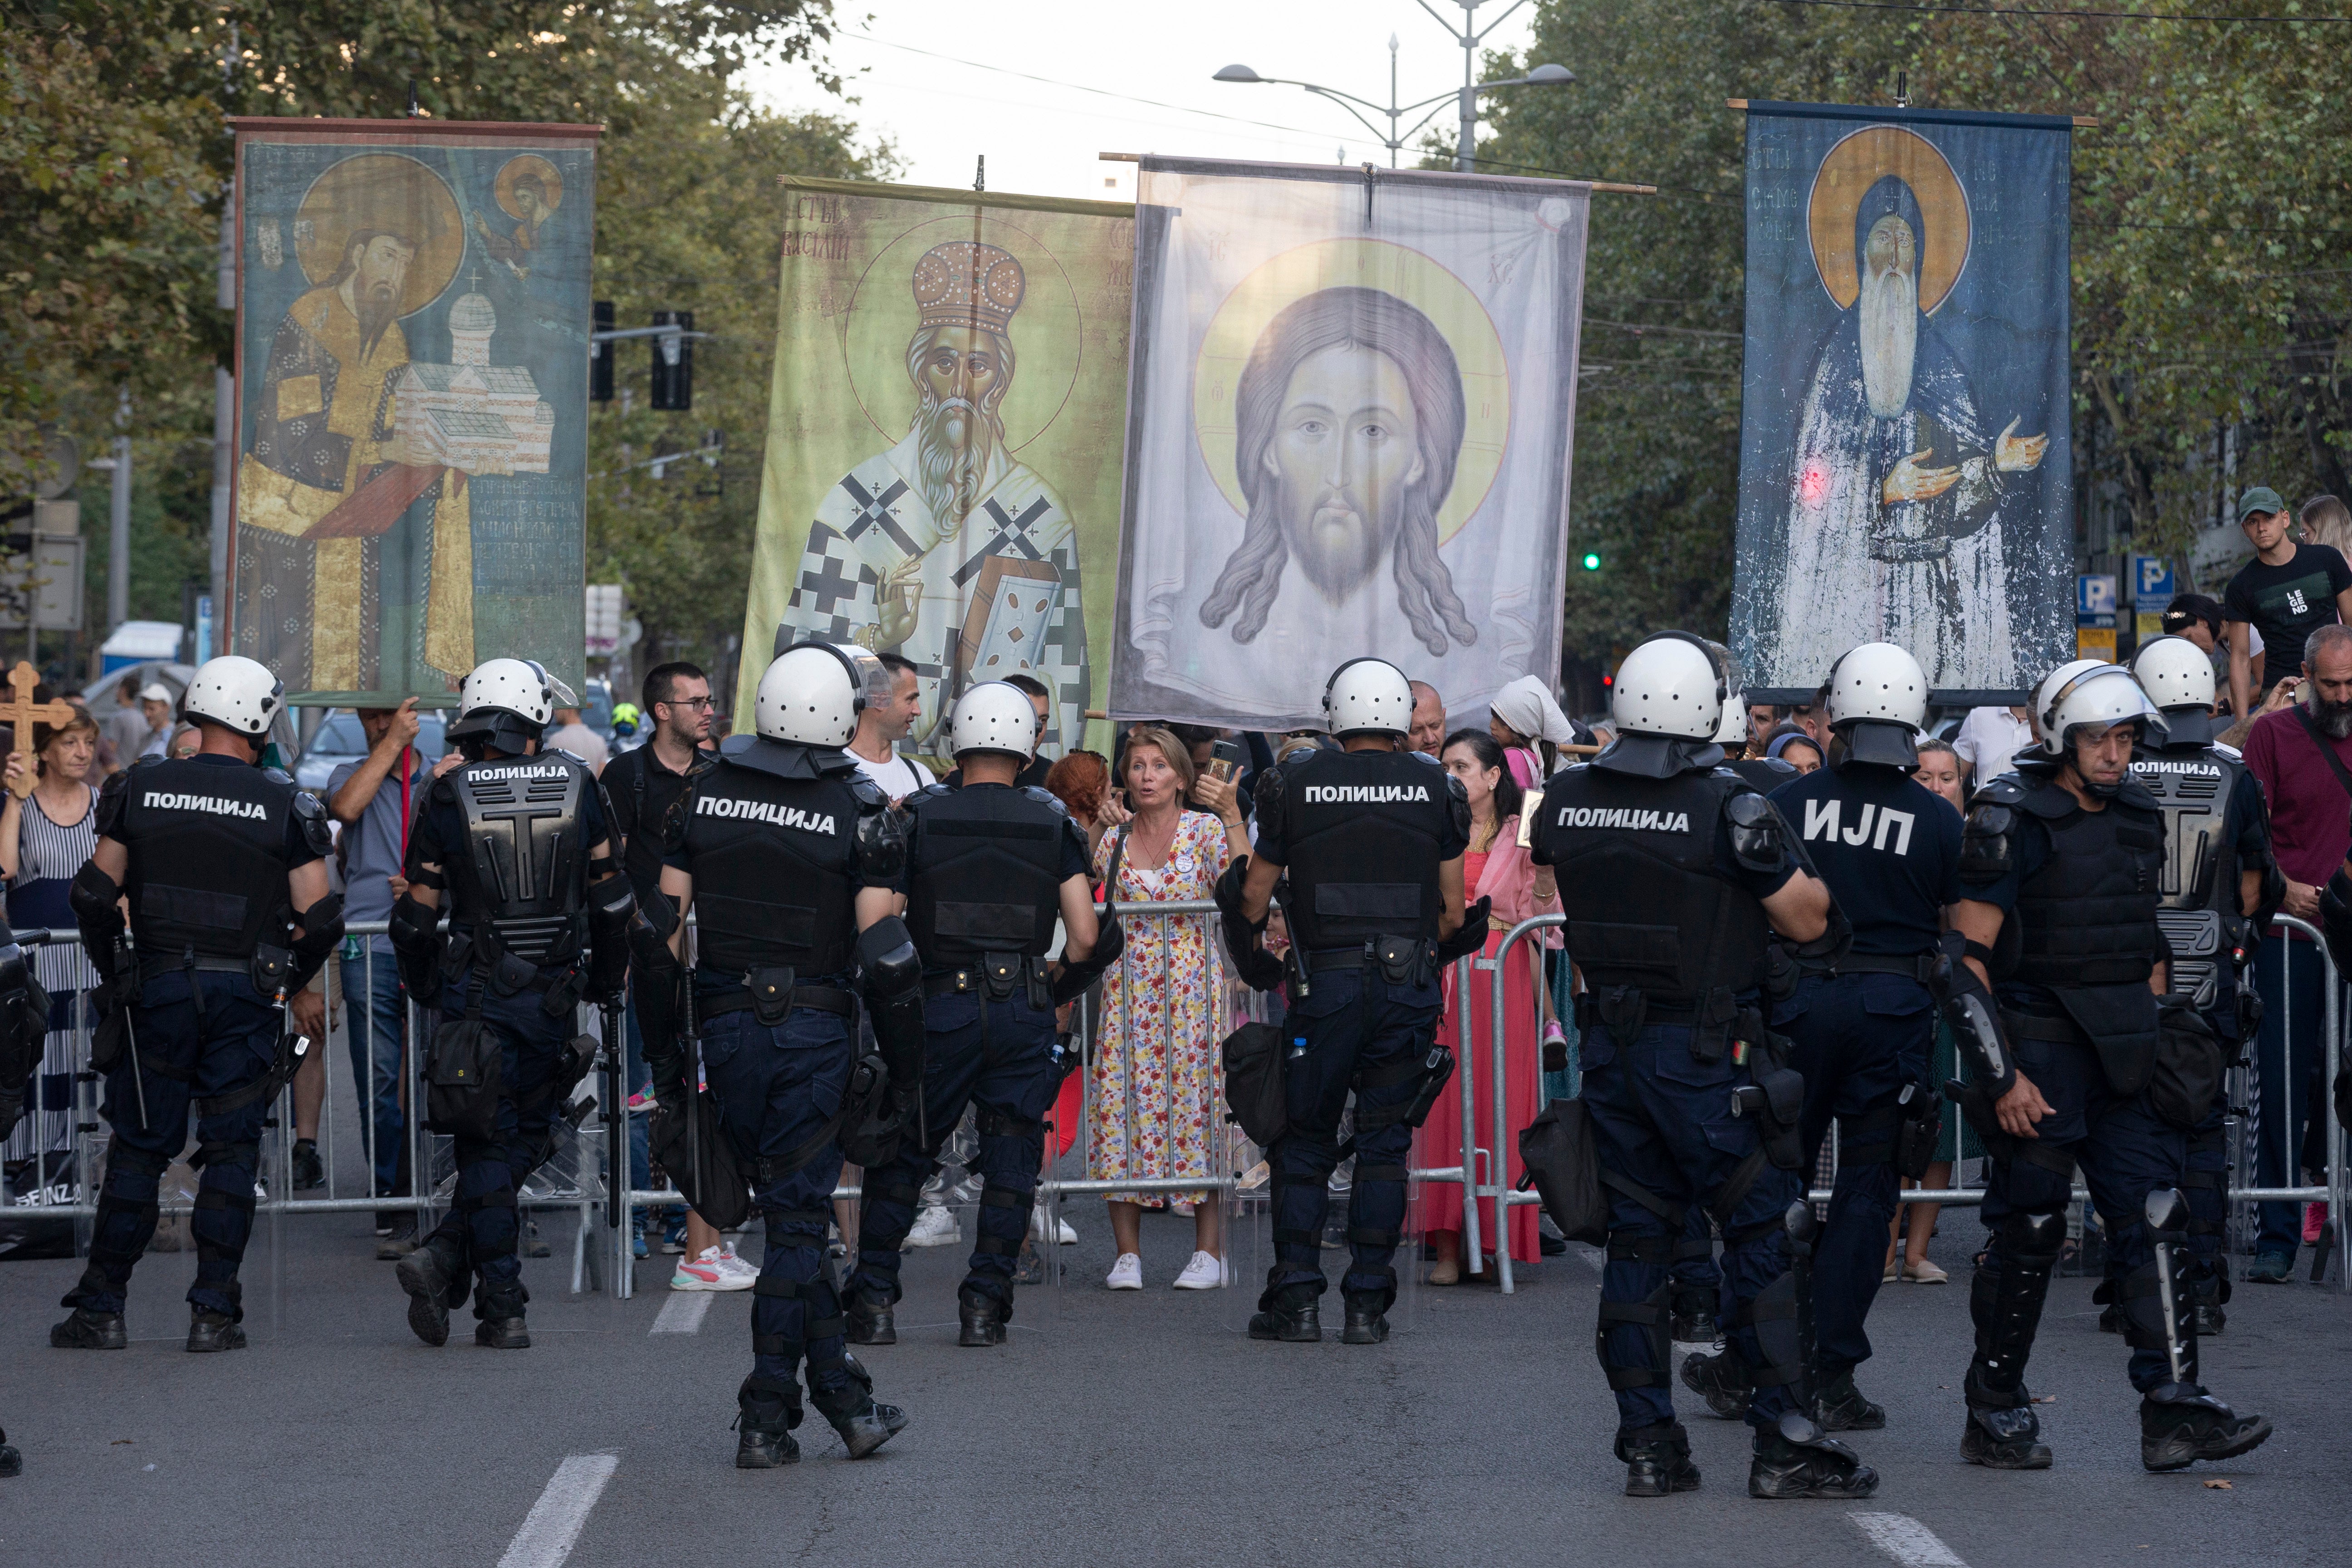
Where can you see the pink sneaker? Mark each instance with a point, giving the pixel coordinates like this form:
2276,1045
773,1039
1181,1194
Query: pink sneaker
2314,1216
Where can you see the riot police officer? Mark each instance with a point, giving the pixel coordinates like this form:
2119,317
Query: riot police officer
1371,840
989,867
539,910
2221,885
2062,861
793,857
1674,873
1863,1023
23,1026
1762,775
230,916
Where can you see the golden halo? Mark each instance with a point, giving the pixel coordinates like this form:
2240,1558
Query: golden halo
385,191
1858,163
1380,264
515,169
1047,330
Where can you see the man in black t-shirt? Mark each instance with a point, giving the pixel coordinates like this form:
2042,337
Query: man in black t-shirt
2287,592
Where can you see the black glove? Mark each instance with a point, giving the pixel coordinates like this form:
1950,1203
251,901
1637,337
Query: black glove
1472,938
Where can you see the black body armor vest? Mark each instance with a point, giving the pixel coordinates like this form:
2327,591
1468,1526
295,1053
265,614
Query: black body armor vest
986,876
772,870
208,862
1367,830
523,875
1763,774
1646,905
2197,905
2088,918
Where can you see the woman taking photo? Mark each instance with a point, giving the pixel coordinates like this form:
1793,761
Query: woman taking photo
1154,1085
1496,866
45,839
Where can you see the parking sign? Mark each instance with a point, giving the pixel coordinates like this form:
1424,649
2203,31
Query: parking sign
2095,594
2152,578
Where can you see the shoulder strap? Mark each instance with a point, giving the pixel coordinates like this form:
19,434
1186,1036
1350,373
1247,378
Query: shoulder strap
1111,877
2328,752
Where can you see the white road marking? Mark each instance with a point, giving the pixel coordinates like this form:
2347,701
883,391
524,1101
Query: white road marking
682,1313
1906,1540
547,1537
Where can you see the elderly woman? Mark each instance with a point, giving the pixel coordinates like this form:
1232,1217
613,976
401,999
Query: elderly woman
1154,1082
45,838
1497,868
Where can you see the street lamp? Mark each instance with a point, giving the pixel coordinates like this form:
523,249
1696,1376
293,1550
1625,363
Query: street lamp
1466,98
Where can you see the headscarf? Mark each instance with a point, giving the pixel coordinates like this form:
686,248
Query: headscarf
1526,706
1781,742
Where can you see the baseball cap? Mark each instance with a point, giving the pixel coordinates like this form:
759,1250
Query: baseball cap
2260,499
156,691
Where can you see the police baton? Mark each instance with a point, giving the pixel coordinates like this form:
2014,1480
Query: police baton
616,1118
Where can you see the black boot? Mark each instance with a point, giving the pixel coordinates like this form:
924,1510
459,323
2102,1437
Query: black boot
869,1319
432,1275
1840,1407
88,1330
865,1423
2180,1423
1722,1379
1799,1460
209,1331
1657,1460
1694,1307
502,1326
1290,1315
980,1318
1368,1322
767,1409
310,1171
2003,1432
12,1463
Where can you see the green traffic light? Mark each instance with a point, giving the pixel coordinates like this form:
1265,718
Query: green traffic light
1592,563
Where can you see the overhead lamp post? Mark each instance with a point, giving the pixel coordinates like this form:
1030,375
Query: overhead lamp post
1466,98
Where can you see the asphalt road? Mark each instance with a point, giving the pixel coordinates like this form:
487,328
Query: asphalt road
1115,1428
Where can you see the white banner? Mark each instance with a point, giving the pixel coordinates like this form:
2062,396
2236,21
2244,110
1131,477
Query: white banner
1351,397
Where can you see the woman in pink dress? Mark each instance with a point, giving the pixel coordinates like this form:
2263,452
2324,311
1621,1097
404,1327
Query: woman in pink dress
1497,868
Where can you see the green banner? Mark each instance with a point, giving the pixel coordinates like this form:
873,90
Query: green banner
945,433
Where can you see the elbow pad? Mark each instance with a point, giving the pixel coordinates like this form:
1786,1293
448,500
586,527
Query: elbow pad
323,931
1111,942
881,843
1975,1018
1471,938
1820,955
1759,839
92,897
893,975
610,903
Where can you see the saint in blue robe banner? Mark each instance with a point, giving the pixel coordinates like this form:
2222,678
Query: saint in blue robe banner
1905,472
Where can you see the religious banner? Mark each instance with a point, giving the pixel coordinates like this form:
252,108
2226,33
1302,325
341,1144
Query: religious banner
942,471
412,350
1350,409
1905,472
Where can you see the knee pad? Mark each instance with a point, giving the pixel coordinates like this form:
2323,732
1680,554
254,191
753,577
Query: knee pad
1653,1317
2139,1297
1773,1313
2030,1240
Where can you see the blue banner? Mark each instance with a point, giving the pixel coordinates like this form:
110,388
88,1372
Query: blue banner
1905,469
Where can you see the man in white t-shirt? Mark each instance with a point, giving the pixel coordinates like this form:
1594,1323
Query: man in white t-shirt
1988,738
881,727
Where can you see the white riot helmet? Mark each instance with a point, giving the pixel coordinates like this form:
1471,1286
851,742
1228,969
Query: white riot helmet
1368,697
1670,686
2087,691
506,702
235,692
2175,673
994,716
1731,729
1878,704
813,691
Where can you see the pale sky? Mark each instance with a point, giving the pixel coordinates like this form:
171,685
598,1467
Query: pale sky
1041,138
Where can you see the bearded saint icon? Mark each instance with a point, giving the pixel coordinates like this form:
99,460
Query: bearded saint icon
947,548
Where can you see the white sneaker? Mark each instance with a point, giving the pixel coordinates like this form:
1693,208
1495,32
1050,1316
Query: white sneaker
1206,1272
933,1227
1127,1274
734,1265
1061,1233
1066,1236
706,1272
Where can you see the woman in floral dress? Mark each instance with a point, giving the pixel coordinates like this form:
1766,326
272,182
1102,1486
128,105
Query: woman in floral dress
1154,1089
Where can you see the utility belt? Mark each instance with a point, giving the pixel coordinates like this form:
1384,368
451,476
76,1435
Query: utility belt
996,977
1714,1017
267,967
1402,960
481,954
1924,967
771,993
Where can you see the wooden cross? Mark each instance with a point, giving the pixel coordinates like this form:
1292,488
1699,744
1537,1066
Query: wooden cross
20,713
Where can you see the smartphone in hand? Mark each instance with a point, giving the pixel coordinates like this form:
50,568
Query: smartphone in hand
1225,760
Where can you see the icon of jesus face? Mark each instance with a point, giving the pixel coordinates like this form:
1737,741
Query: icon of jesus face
1345,454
